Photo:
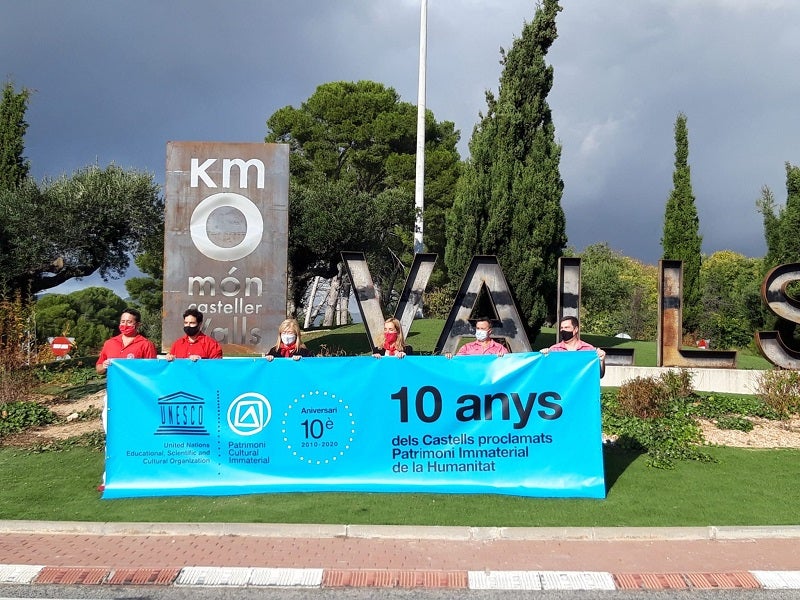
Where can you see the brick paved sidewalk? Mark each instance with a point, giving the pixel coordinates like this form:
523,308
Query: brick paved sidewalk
385,556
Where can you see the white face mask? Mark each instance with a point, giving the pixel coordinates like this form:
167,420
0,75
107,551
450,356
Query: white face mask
481,334
288,338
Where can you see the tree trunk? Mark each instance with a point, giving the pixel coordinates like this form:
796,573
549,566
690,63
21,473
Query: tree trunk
333,297
344,299
310,304
291,308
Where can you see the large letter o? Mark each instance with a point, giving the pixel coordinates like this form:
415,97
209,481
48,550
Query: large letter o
199,231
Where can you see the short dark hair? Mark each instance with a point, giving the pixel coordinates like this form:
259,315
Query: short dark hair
132,311
571,319
194,313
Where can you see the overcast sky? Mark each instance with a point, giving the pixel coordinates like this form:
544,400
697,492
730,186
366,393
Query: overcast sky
114,81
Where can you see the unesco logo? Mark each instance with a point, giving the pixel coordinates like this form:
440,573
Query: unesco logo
181,414
249,414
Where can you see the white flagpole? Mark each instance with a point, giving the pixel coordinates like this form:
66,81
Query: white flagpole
419,188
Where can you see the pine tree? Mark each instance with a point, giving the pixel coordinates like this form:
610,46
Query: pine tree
508,200
13,166
681,239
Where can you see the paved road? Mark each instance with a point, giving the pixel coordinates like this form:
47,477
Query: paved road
340,556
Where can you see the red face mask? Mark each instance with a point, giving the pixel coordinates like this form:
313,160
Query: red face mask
390,337
128,330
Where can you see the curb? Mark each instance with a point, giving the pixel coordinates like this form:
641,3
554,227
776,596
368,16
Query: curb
216,577
399,576
404,532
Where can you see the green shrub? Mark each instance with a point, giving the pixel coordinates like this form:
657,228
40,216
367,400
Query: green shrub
734,422
780,390
654,416
439,301
18,416
76,373
678,384
713,406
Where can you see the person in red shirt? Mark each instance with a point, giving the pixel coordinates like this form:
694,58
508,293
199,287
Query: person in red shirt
195,344
128,344
569,337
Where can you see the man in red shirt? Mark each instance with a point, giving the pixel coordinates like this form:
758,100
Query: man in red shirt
128,344
570,340
195,344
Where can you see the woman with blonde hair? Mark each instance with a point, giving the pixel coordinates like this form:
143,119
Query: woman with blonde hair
391,341
289,343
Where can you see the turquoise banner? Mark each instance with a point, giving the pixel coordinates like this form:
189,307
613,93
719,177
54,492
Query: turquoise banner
522,424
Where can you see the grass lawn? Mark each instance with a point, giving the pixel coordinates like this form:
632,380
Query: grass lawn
745,487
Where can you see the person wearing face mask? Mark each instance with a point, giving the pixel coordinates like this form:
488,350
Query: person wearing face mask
289,343
128,344
195,344
570,340
391,341
483,344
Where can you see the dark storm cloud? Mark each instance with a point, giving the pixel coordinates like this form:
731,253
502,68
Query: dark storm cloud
115,81
623,73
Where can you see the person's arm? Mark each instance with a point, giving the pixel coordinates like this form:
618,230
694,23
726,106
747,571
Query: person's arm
150,350
214,350
602,355
171,355
102,361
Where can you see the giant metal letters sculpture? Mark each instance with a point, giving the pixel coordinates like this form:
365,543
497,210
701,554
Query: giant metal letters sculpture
670,325
484,276
773,293
569,289
369,304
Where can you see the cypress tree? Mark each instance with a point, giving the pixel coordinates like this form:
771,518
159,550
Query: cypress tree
781,228
782,224
13,166
788,237
508,199
681,239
